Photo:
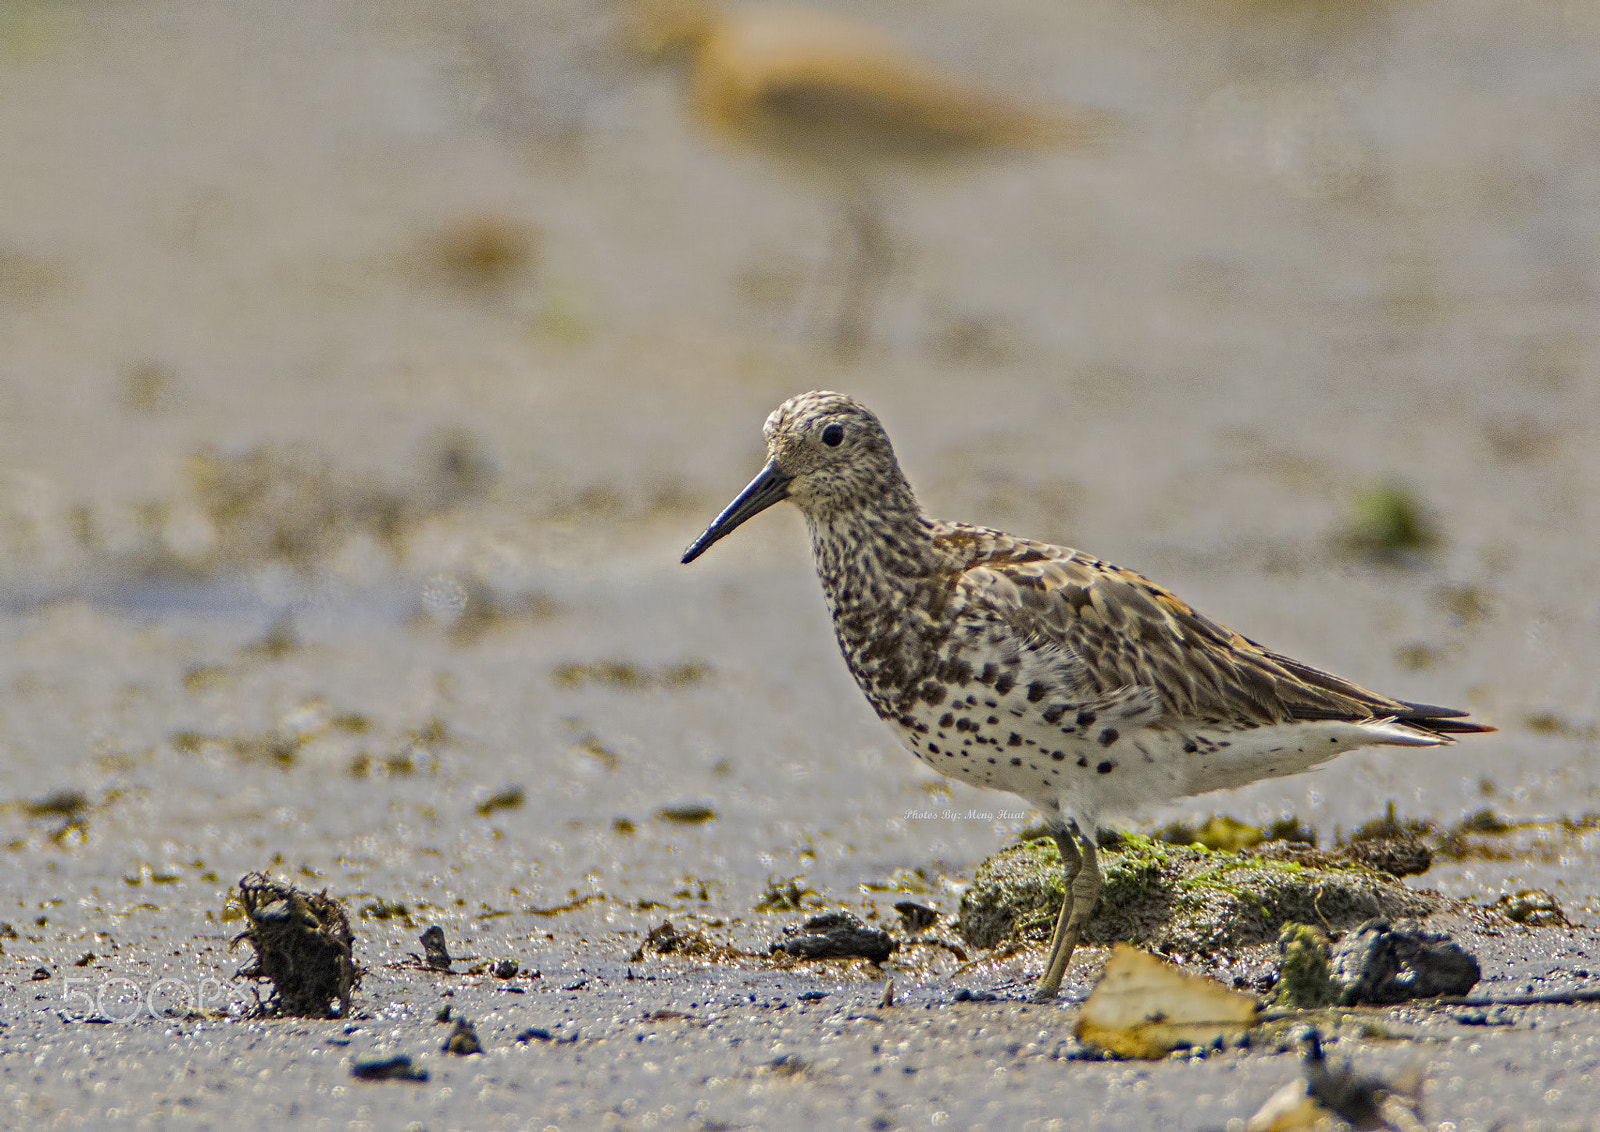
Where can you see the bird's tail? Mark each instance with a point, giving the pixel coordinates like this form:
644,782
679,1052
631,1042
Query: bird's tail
1439,721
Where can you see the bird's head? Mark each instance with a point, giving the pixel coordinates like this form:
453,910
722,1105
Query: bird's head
824,451
661,29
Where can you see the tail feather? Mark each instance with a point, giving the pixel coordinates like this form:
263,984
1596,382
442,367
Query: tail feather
1439,720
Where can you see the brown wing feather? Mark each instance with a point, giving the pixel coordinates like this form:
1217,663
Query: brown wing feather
1120,630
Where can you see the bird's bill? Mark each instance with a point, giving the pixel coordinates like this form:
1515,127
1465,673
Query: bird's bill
770,486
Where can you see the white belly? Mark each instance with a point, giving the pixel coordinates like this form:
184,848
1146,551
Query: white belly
1108,769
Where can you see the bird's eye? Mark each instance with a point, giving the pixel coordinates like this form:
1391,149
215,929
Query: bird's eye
833,435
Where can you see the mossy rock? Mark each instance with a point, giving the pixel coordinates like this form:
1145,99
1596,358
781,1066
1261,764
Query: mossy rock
1182,898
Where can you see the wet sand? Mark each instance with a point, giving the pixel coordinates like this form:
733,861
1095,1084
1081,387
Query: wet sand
364,372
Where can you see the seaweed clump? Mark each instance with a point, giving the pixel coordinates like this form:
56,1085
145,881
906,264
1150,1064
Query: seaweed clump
304,947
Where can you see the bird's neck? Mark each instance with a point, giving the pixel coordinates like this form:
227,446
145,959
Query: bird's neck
869,553
887,585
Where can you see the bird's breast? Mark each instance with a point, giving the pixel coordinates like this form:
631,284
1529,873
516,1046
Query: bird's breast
890,660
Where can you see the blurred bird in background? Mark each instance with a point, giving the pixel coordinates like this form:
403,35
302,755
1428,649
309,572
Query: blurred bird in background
833,98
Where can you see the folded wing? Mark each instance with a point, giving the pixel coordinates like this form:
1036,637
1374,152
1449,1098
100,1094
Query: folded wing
1118,631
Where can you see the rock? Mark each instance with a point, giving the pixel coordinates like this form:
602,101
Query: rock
838,935
1380,965
916,917
395,1068
434,950
463,1040
965,995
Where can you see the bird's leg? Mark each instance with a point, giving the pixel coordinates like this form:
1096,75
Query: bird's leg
1071,866
1081,868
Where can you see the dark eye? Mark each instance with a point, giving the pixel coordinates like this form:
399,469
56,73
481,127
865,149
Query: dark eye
833,435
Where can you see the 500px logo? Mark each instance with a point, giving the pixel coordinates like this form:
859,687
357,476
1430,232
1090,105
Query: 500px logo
119,999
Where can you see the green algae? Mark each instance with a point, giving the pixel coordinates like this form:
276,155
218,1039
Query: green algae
1223,832
1305,981
1183,898
1388,523
1217,832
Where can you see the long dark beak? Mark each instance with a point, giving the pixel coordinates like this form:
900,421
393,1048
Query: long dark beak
769,487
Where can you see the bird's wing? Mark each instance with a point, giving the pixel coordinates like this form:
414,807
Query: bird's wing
1118,631
824,73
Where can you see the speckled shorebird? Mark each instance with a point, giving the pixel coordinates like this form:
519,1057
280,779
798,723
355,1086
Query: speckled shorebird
1038,669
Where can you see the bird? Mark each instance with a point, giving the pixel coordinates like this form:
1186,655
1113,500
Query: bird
1021,666
831,97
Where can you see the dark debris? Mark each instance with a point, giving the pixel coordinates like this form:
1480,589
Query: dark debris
837,935
395,1068
304,946
463,1040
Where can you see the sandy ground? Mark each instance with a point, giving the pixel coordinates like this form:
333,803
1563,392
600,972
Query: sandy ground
364,369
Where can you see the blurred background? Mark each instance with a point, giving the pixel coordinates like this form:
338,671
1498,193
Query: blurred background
365,367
